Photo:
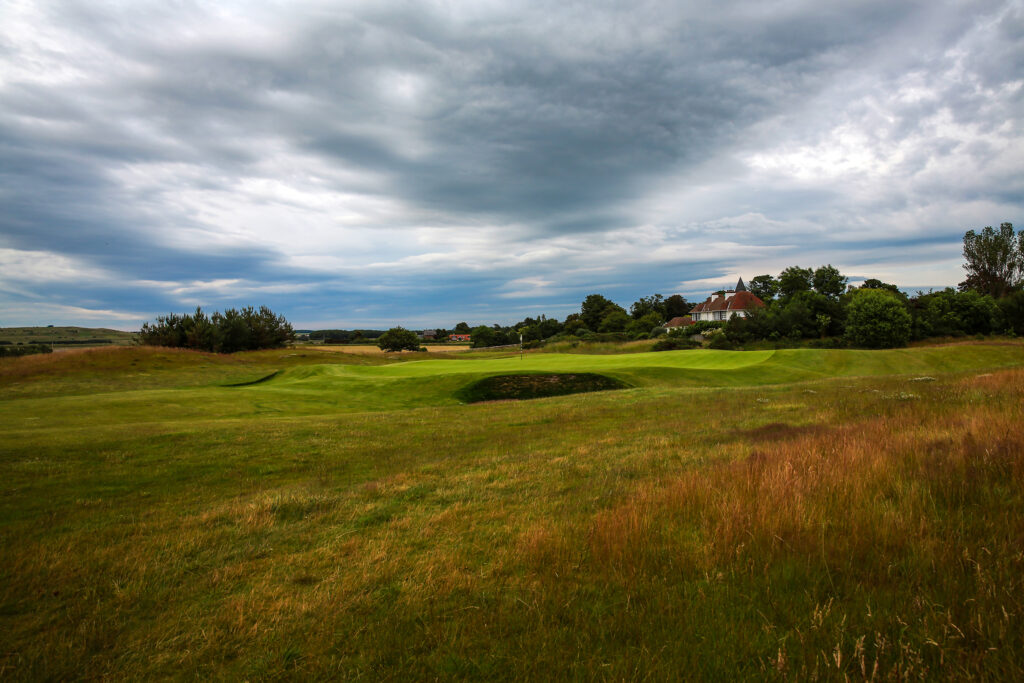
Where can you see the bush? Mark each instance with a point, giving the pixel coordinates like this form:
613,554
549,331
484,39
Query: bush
950,313
1012,309
828,343
674,343
877,319
700,327
24,350
399,339
721,342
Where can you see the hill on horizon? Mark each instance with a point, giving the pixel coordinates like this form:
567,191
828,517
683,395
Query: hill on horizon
66,336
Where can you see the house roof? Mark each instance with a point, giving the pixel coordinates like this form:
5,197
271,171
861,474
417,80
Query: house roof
740,301
680,321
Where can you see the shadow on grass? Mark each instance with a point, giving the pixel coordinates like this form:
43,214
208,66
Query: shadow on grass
536,385
261,380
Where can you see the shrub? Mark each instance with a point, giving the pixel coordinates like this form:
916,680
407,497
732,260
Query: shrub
674,343
24,350
877,319
1012,308
701,326
721,342
827,343
399,339
951,313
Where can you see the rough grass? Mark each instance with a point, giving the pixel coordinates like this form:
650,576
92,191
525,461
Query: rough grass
839,527
76,335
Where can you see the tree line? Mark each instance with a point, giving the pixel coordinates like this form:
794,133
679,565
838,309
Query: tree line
819,304
800,304
233,330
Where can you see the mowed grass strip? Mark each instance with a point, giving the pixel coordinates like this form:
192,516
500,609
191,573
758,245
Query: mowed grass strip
852,527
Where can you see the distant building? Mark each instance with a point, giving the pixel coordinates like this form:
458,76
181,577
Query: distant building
429,334
459,337
679,321
728,304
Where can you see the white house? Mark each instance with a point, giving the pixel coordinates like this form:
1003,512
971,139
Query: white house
728,304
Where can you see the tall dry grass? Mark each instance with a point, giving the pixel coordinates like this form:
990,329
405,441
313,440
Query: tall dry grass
919,501
98,358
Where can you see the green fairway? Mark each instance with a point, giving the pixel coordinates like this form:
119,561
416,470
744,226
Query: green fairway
304,514
187,387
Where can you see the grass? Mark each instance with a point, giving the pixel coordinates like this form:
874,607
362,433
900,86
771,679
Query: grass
788,514
68,336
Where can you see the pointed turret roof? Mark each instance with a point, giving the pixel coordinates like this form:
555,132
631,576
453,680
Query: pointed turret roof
740,287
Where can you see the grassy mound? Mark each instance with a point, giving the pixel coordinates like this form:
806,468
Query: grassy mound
521,387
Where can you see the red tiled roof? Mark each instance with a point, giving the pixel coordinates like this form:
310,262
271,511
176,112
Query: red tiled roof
679,321
740,301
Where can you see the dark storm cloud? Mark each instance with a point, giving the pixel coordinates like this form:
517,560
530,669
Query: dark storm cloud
294,146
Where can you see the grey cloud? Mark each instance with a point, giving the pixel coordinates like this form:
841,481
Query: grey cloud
540,119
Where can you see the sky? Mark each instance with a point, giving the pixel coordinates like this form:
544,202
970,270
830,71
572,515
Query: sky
370,164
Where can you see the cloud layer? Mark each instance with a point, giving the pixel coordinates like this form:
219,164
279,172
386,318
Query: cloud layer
422,163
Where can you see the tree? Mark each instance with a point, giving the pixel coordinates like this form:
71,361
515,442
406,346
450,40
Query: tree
231,331
764,287
829,281
483,336
979,313
462,328
995,260
575,326
595,308
644,326
799,316
235,334
676,306
548,327
646,305
873,283
877,319
1012,309
795,279
615,321
398,339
